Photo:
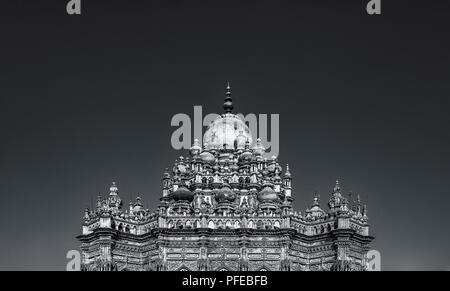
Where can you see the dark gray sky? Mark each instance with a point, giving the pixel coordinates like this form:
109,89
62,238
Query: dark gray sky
87,99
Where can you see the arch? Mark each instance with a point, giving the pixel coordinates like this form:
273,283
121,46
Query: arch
198,224
237,224
183,268
179,224
188,224
211,224
251,224
228,224
276,224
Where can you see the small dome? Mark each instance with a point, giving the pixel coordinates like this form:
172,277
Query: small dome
182,193
259,148
267,194
196,148
138,207
113,189
207,157
225,194
246,156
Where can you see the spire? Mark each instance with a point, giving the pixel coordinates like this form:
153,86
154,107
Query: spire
364,211
337,188
138,201
99,201
228,104
166,174
287,173
247,144
316,199
195,148
113,190
259,148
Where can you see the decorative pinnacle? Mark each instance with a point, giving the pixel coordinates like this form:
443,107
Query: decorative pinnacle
113,189
316,198
228,104
287,173
337,188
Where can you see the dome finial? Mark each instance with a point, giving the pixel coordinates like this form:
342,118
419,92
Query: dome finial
316,198
337,188
288,172
113,190
228,104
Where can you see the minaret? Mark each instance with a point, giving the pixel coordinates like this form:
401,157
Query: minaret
228,104
114,200
287,182
166,183
195,148
316,199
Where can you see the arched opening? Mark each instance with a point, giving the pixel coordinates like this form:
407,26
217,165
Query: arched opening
259,224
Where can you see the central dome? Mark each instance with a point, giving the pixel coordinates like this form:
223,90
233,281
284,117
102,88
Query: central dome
229,130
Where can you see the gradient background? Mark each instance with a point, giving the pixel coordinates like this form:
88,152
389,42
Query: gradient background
88,99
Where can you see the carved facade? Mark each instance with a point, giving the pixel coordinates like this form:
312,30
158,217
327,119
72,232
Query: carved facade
226,207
